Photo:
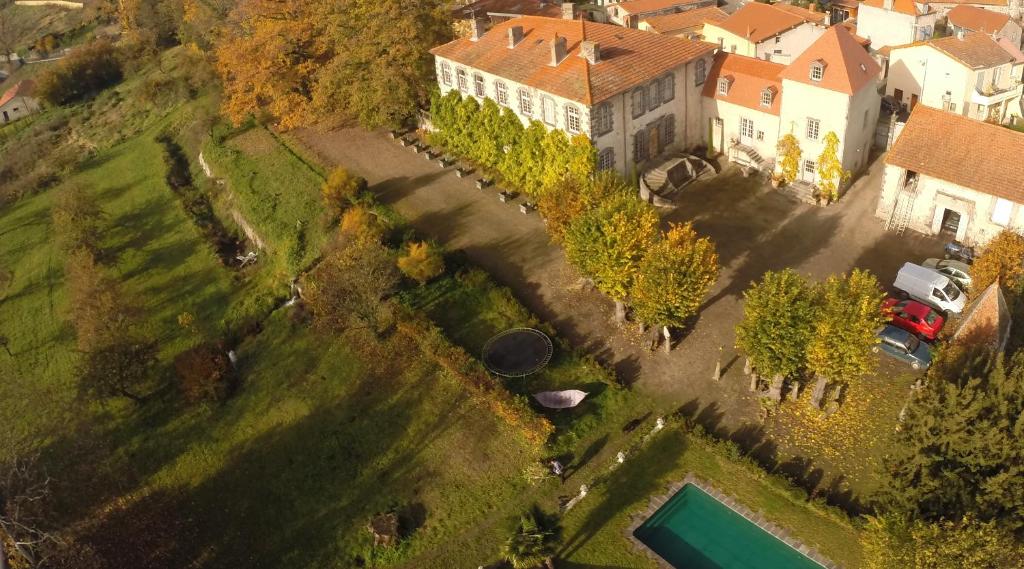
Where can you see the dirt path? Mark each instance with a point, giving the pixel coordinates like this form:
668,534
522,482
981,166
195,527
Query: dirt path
754,228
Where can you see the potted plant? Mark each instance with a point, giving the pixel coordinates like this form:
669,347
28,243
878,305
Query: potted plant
778,180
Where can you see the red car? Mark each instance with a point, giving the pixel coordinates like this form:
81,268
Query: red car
914,317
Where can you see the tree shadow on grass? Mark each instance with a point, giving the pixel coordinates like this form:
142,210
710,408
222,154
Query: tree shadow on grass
628,486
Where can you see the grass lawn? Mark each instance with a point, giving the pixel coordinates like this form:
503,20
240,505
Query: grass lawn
471,308
287,473
595,531
278,194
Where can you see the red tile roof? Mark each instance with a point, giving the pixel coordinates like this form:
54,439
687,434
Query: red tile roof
629,57
748,78
21,88
679,21
848,66
519,7
977,19
962,151
758,22
976,50
901,6
644,6
851,26
804,13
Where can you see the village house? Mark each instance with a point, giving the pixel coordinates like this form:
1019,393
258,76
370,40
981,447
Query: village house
964,19
895,22
633,93
953,175
18,102
778,33
831,87
840,11
1011,7
629,14
497,11
969,74
689,24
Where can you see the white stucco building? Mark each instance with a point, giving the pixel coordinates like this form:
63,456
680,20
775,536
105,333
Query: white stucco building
968,74
953,175
831,87
778,33
18,102
895,22
633,93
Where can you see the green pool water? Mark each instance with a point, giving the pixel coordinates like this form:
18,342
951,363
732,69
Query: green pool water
693,530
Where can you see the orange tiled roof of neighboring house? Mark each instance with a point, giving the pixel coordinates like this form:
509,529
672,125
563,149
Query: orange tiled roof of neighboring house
809,15
901,6
758,22
975,2
848,66
644,6
962,151
669,23
628,57
977,19
748,78
976,50
21,88
851,26
510,7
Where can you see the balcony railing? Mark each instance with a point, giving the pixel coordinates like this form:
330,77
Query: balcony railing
989,94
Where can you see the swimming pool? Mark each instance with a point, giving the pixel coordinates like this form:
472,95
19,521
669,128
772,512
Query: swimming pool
693,530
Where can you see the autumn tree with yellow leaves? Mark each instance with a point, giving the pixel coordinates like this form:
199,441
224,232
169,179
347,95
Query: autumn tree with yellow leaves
831,174
674,277
306,61
607,245
421,262
849,315
573,196
1002,260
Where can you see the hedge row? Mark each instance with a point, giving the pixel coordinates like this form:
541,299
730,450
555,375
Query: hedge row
470,372
530,159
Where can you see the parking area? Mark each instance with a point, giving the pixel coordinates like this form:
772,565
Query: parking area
755,229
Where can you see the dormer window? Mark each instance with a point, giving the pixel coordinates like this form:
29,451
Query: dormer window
723,86
817,70
766,97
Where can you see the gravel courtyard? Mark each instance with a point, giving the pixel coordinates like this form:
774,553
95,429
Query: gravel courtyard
755,230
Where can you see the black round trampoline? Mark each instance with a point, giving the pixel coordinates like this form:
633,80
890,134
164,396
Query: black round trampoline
517,352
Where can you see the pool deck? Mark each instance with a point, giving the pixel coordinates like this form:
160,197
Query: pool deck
757,519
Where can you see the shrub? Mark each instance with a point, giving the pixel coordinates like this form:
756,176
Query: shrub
360,224
421,263
83,73
204,373
340,189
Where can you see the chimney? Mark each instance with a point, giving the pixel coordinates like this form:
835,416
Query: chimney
812,7
568,11
590,51
515,35
479,26
557,50
887,4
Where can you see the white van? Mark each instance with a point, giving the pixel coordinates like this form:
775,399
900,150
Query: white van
930,287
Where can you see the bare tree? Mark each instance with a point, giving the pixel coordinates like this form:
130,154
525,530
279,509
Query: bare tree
24,497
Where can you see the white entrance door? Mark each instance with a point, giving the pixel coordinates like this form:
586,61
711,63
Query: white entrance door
746,131
809,173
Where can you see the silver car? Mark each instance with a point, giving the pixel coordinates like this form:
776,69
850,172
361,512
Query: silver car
958,272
